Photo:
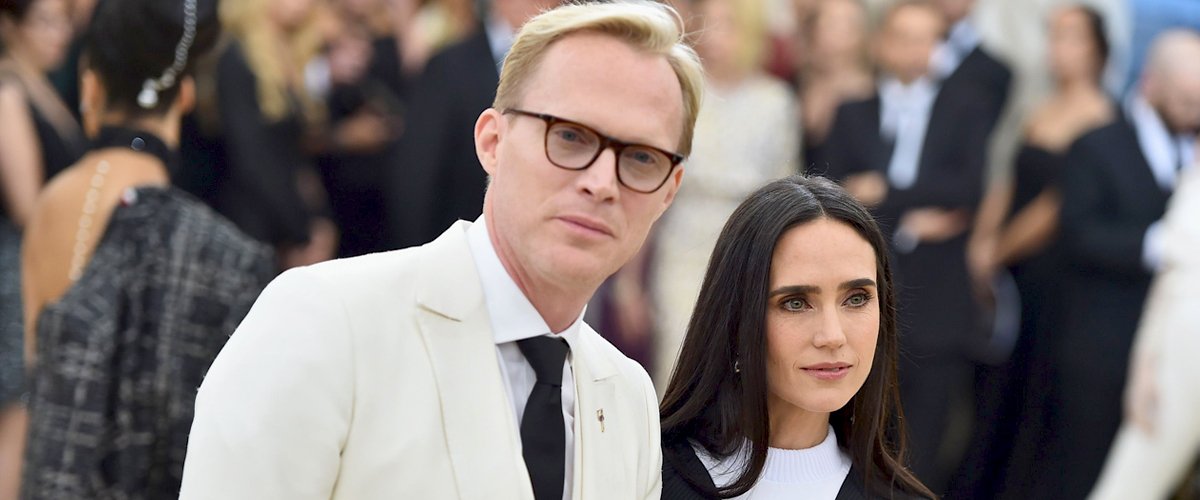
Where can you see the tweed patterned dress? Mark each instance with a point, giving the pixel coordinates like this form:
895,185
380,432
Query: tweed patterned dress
122,352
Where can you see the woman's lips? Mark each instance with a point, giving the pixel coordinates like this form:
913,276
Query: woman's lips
828,371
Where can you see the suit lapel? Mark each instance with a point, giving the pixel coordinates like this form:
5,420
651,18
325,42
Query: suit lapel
596,441
477,416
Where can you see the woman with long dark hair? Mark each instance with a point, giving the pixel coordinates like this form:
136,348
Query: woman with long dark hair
786,382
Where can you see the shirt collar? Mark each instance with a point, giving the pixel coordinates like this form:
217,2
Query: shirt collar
500,38
1162,150
962,39
513,317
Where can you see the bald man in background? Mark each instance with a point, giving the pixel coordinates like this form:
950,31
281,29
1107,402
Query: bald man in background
1115,188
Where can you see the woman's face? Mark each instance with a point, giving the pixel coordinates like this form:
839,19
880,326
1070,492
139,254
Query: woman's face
45,33
1073,51
822,317
290,14
839,30
719,35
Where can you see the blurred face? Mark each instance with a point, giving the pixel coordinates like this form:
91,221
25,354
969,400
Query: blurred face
43,36
1073,51
718,43
574,228
840,29
1177,100
907,41
955,10
290,14
822,318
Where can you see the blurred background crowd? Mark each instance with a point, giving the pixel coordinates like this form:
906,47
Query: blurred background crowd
1021,153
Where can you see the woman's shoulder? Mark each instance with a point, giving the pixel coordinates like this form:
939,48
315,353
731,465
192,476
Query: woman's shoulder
684,474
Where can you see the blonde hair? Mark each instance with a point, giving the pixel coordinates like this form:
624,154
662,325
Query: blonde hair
248,22
649,26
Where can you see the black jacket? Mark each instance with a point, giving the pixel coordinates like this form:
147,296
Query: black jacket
987,76
937,305
436,178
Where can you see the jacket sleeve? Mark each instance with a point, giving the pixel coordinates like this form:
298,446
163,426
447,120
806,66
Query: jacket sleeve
273,412
653,445
1091,236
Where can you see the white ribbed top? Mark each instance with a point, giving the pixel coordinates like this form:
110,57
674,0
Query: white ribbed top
812,473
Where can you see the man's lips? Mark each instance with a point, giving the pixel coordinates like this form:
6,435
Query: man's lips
588,223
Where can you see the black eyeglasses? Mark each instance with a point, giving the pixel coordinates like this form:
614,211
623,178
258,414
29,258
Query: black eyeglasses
575,146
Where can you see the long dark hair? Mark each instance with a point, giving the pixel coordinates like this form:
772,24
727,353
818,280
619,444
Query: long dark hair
710,404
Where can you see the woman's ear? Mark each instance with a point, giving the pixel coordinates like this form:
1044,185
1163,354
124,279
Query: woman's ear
186,100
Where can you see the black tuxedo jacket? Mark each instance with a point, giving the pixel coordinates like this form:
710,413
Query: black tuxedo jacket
990,79
436,178
1109,199
937,309
680,464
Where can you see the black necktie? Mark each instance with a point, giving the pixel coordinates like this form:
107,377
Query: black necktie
543,441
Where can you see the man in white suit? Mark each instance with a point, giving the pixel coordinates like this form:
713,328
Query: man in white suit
462,368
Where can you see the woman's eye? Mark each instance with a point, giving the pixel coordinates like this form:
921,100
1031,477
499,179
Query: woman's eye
795,304
858,300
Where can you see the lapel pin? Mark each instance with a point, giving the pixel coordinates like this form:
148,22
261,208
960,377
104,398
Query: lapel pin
600,417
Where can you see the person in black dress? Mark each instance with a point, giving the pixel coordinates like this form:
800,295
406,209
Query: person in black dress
786,383
1011,396
38,138
131,286
269,185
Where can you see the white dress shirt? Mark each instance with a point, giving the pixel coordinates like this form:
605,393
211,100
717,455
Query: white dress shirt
514,318
904,117
949,55
816,473
1166,154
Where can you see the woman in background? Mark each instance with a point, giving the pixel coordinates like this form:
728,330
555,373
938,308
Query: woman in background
786,386
746,135
270,187
131,287
38,138
1019,236
835,70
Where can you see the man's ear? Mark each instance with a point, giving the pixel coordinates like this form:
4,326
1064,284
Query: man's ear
489,130
672,187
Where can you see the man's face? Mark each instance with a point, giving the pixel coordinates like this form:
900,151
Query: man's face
567,228
1179,102
907,41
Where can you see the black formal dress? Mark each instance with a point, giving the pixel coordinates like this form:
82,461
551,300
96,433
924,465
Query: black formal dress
1011,397
257,188
1110,199
355,180
683,471
436,178
59,149
937,311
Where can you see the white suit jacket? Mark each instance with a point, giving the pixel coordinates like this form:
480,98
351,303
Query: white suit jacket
377,378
